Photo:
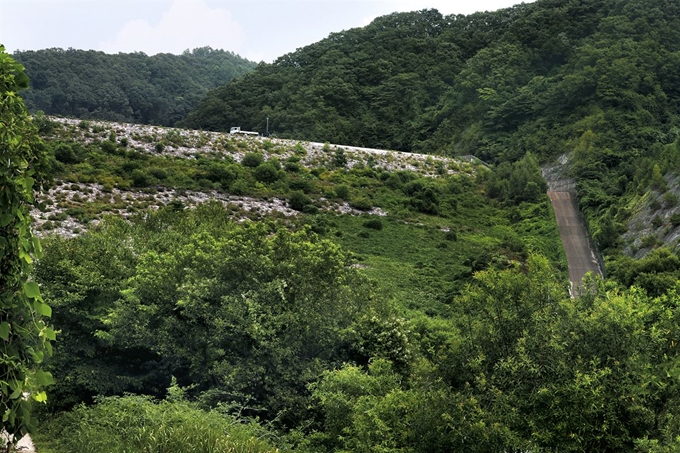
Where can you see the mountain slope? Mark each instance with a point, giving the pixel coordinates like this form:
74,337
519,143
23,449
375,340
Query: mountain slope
409,76
595,80
159,89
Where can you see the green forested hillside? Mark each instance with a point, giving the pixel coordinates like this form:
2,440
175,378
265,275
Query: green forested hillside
595,80
242,311
493,84
159,89
219,293
432,316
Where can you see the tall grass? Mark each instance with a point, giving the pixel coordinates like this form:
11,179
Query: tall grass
136,424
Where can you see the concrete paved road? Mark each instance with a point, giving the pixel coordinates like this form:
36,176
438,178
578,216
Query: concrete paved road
580,255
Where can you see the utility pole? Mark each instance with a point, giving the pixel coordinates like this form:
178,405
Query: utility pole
267,127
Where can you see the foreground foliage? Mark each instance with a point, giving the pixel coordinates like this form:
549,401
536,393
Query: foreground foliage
598,373
519,366
24,336
247,315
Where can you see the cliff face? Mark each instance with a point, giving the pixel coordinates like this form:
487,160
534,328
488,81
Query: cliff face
655,220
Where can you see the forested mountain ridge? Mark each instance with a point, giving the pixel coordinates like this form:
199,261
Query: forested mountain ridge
133,87
423,81
595,80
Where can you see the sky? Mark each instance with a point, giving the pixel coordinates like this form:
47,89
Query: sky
260,30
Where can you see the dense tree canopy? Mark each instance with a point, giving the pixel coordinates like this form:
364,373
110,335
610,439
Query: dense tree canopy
265,321
159,89
245,314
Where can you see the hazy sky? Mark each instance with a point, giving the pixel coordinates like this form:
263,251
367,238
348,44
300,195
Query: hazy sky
256,29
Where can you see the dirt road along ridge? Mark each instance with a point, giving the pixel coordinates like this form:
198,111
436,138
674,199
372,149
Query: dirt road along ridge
581,257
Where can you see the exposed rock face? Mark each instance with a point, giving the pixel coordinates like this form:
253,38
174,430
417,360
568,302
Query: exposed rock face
655,221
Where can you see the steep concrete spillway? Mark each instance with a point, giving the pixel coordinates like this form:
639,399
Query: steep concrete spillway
581,257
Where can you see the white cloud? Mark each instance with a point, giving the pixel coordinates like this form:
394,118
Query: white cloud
186,25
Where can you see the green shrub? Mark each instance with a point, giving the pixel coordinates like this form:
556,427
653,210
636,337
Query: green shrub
78,213
140,178
252,160
176,205
64,153
300,150
292,167
374,224
318,171
342,192
275,163
158,173
649,241
304,185
220,172
266,173
670,200
339,158
310,209
108,146
654,204
424,196
362,204
394,182
364,234
240,187
298,201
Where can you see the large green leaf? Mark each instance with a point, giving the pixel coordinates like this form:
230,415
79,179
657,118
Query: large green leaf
4,330
44,378
32,290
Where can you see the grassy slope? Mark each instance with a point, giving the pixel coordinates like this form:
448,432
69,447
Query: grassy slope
421,260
